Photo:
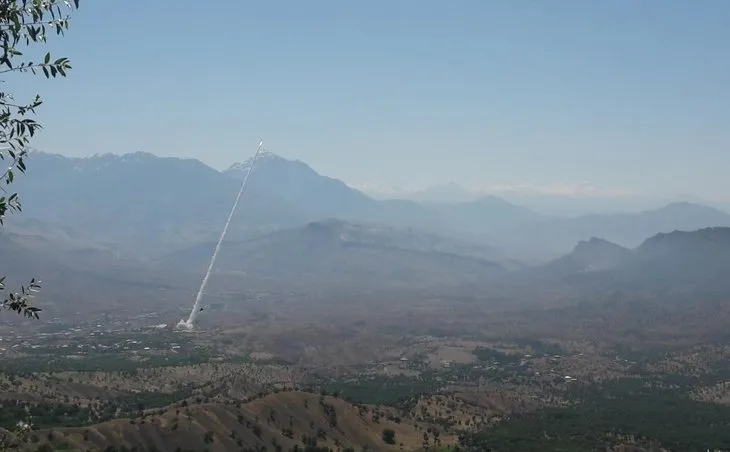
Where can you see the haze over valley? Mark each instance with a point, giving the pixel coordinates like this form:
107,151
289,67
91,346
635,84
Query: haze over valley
327,282
377,226
173,202
105,247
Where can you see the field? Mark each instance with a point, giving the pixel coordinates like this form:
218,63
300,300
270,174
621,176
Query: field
310,378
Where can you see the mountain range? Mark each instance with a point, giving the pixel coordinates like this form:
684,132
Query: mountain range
580,199
137,224
555,235
336,252
591,255
81,279
446,193
140,205
679,265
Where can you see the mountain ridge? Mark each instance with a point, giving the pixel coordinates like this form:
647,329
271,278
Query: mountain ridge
591,255
672,266
340,252
225,426
143,204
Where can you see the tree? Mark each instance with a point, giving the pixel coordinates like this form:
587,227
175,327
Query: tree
388,436
11,440
24,23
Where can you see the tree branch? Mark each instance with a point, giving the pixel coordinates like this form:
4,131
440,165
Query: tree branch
29,67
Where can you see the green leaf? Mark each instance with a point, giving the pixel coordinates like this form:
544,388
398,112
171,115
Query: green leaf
24,22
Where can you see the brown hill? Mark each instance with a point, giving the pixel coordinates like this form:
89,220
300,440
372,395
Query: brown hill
278,421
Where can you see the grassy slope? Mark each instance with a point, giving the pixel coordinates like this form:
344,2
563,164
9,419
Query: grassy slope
233,427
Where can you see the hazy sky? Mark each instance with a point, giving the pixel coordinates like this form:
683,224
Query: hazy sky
623,95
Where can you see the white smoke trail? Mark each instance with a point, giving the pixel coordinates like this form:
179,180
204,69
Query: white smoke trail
189,323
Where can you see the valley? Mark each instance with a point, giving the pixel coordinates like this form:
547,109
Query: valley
486,226
334,321
252,386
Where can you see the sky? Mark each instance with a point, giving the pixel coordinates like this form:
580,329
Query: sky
622,97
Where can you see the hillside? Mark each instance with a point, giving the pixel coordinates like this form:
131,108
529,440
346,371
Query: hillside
679,266
277,421
682,258
140,203
81,279
298,184
60,243
552,237
174,203
342,252
446,193
488,214
589,256
687,246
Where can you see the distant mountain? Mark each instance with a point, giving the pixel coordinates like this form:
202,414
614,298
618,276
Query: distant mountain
554,236
631,229
590,256
689,266
20,262
672,266
147,205
451,193
140,205
341,252
72,280
571,206
686,245
488,214
680,255
323,197
56,241
140,202
298,184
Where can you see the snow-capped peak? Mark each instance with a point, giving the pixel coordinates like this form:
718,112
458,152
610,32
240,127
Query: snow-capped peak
262,157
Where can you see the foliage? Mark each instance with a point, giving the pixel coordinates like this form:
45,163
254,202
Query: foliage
24,23
16,434
329,411
105,362
540,348
20,301
634,411
400,392
146,400
488,355
388,436
45,414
